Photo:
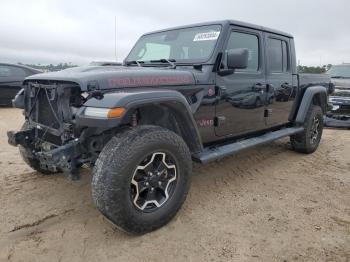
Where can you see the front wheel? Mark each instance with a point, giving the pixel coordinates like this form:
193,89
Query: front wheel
141,178
308,141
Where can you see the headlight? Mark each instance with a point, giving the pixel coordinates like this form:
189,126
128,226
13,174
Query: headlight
104,112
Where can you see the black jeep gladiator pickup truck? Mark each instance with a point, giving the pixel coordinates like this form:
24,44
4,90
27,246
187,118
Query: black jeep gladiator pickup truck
198,92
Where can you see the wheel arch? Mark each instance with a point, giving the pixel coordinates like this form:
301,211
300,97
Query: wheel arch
316,95
150,106
171,115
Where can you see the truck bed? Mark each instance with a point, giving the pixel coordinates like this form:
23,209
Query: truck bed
319,79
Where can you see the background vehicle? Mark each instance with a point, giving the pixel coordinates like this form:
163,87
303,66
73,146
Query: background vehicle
105,63
11,78
141,124
339,113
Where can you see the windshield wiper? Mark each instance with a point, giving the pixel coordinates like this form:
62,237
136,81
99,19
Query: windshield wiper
137,62
164,60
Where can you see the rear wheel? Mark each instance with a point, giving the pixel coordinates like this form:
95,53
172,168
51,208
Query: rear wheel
141,178
309,140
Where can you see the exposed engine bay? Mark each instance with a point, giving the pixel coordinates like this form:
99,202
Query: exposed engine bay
51,132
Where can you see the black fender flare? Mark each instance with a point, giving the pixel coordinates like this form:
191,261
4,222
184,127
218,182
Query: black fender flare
133,99
307,100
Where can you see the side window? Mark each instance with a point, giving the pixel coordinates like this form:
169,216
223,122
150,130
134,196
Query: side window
277,51
17,71
249,41
285,56
5,71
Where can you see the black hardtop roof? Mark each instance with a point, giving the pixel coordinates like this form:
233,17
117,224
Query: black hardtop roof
228,22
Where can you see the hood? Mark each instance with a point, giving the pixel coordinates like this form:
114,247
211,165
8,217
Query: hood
101,77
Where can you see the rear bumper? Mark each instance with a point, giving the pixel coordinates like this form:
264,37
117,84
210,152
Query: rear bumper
7,94
5,101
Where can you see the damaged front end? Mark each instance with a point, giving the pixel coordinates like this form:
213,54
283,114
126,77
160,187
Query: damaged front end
49,134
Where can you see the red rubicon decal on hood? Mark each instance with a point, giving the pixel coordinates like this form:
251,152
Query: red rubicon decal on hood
149,81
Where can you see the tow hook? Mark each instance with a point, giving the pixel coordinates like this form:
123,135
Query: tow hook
21,137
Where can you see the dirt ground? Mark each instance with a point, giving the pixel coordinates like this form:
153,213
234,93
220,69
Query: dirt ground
266,204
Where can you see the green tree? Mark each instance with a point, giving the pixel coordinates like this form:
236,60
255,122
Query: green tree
312,69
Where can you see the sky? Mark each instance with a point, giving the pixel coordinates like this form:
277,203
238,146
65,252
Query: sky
81,31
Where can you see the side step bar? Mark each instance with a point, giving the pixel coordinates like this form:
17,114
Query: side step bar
221,151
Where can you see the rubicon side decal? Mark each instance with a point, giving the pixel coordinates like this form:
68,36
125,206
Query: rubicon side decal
149,81
205,122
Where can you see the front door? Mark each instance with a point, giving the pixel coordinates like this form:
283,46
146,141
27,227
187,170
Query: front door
242,95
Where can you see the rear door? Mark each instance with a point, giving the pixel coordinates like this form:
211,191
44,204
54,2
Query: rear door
240,109
280,94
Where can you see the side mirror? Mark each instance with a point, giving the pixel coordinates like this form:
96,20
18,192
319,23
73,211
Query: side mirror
18,101
237,58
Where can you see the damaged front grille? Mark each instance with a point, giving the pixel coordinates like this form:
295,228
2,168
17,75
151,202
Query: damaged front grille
42,105
48,107
50,104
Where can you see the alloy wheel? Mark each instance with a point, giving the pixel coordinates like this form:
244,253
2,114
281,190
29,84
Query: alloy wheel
315,130
153,181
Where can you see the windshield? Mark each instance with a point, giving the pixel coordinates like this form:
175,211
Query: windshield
187,45
340,71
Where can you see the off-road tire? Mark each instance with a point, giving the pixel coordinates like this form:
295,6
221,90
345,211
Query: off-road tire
115,168
302,142
29,159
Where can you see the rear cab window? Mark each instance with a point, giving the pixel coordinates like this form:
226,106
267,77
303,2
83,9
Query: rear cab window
278,55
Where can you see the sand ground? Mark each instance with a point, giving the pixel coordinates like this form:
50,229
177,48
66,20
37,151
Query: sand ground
265,204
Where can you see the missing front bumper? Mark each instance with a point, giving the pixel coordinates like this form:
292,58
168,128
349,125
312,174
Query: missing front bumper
62,158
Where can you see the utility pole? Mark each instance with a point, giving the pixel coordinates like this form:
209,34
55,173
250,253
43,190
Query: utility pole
115,39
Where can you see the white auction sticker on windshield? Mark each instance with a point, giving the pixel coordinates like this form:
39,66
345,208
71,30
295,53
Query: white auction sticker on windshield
206,36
